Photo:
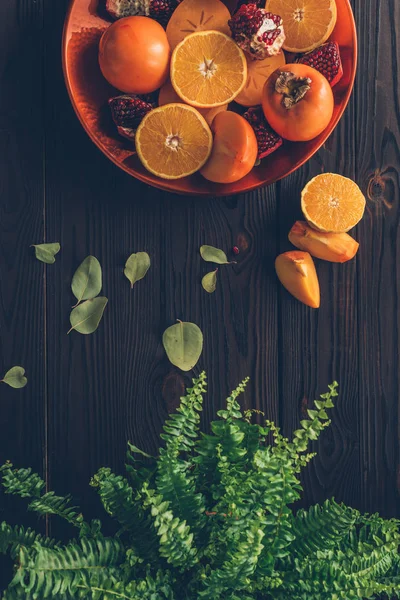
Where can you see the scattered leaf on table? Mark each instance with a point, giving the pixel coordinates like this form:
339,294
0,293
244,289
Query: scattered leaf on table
183,344
86,317
15,378
209,281
215,255
137,266
87,279
47,252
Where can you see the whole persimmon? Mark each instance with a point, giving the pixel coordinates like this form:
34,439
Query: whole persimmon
297,102
234,150
134,55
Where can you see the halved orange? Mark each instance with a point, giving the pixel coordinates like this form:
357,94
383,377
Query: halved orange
173,141
168,95
208,69
307,23
258,72
332,203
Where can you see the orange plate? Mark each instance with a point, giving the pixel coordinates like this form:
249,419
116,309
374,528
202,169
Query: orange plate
89,93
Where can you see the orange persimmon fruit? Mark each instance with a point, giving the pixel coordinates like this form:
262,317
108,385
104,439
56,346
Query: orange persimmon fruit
197,15
234,150
296,272
258,72
298,102
134,55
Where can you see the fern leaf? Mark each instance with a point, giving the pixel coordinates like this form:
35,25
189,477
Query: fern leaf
177,486
21,482
56,572
321,527
148,588
123,504
184,423
50,504
13,538
239,566
175,537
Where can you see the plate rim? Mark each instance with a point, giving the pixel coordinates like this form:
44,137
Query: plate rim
167,185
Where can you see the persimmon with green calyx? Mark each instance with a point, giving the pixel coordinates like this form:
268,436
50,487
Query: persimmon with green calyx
134,55
298,102
296,272
234,149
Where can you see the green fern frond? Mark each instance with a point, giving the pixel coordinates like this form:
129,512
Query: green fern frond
125,505
175,537
233,410
50,504
321,527
21,482
236,571
49,572
157,587
318,420
184,423
13,538
176,484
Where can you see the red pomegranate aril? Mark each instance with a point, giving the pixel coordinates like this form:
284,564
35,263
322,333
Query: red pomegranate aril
325,59
256,31
268,141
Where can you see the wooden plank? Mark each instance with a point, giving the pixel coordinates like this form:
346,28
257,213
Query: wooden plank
118,384
378,169
23,412
318,347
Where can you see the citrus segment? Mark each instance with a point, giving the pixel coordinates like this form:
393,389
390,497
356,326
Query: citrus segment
332,203
258,72
308,23
208,69
197,15
168,95
173,141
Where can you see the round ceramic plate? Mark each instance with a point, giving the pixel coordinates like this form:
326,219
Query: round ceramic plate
89,93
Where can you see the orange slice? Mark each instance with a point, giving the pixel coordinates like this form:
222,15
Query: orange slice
168,95
332,203
197,15
307,23
173,141
208,69
258,72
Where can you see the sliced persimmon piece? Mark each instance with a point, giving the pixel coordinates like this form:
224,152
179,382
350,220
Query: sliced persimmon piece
307,23
173,141
197,15
208,69
168,95
296,272
258,72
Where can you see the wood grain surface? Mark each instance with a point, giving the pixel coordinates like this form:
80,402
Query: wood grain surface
87,395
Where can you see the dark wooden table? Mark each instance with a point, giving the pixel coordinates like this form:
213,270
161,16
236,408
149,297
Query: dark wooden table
87,395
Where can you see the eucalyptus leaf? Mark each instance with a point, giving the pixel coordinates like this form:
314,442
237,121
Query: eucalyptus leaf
215,255
15,378
209,281
46,252
86,317
87,279
137,266
183,344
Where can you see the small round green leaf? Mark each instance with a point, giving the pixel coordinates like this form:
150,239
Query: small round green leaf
15,378
215,255
137,266
183,344
87,279
46,252
86,317
209,281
